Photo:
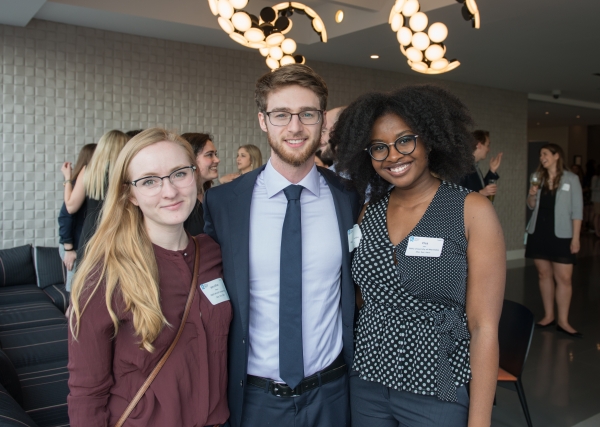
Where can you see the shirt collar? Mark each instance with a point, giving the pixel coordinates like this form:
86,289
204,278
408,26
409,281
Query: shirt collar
275,182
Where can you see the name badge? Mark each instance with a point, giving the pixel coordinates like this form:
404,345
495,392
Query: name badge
354,236
565,187
215,291
424,246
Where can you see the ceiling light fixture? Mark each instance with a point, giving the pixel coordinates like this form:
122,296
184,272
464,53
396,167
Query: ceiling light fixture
374,56
339,16
577,116
267,31
424,46
547,112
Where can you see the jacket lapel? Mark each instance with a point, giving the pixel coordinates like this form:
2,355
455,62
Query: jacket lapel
239,222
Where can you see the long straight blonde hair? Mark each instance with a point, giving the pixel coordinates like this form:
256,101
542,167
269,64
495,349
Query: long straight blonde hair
119,256
107,151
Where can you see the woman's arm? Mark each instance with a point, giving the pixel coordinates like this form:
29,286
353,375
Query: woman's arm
75,195
576,214
486,256
228,178
90,365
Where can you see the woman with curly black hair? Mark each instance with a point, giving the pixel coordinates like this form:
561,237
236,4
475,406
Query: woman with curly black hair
430,263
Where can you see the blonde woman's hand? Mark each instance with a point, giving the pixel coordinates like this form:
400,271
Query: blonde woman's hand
67,169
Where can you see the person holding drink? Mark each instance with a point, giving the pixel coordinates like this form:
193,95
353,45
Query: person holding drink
475,181
556,199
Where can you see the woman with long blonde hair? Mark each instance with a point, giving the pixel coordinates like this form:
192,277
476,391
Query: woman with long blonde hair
92,188
129,295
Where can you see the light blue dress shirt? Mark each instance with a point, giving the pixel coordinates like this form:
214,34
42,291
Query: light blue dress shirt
321,273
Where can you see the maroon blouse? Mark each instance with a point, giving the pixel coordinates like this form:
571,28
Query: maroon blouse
191,388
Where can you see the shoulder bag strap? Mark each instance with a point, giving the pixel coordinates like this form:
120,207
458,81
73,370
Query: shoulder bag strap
163,359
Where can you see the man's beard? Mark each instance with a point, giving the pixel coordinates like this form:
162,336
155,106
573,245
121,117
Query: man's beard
296,158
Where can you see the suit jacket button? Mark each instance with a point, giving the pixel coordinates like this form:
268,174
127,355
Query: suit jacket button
242,383
243,341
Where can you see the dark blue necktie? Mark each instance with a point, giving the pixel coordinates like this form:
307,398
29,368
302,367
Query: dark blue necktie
291,361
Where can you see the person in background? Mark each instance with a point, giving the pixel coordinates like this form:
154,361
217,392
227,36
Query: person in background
249,158
93,187
430,264
70,225
322,161
207,161
553,235
132,133
283,229
327,151
130,293
475,181
595,190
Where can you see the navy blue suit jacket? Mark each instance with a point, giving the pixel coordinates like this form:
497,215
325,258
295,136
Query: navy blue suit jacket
227,221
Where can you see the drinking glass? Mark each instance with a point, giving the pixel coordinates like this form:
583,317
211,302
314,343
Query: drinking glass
491,182
535,179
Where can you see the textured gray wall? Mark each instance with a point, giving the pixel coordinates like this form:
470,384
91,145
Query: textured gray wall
64,86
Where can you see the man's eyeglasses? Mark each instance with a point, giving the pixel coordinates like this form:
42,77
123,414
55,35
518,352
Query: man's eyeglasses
151,185
283,118
380,151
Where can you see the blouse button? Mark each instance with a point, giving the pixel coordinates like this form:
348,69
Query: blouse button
184,254
242,383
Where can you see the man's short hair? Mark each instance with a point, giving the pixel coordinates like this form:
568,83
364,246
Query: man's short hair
480,136
289,75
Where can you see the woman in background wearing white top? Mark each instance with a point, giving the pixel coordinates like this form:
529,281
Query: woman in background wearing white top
553,239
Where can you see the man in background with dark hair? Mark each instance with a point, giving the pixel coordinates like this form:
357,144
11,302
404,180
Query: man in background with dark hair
327,151
475,181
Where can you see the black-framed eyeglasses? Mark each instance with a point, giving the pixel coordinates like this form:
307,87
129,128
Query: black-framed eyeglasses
380,151
283,118
151,185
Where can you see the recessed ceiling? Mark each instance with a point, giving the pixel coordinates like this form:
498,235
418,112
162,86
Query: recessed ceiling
532,46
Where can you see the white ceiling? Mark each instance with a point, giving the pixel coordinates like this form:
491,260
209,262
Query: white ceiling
531,46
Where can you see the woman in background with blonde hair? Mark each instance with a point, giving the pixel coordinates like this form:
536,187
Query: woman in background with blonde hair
92,188
249,158
70,224
129,296
553,235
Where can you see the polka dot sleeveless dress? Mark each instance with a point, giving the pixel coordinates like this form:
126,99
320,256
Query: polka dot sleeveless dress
412,330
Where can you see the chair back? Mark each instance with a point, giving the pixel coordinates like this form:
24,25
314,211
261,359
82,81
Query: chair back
514,335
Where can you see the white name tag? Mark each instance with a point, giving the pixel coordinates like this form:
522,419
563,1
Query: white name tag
215,291
354,236
424,246
565,187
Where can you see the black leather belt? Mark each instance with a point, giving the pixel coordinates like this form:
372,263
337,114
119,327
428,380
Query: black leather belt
331,373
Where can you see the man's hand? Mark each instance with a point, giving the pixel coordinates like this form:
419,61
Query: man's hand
489,190
495,162
70,257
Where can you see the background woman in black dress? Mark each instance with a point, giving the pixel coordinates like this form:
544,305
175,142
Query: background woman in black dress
553,239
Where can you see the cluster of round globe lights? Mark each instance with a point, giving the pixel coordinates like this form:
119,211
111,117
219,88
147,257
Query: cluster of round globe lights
425,50
266,32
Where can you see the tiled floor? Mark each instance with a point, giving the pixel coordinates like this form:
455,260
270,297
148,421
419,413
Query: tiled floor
562,375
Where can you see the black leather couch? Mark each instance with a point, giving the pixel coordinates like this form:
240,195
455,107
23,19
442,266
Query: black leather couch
33,338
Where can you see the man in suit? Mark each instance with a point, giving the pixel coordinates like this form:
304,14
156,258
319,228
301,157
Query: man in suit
284,233
475,180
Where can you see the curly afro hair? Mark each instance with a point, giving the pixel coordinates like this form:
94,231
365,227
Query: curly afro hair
440,119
